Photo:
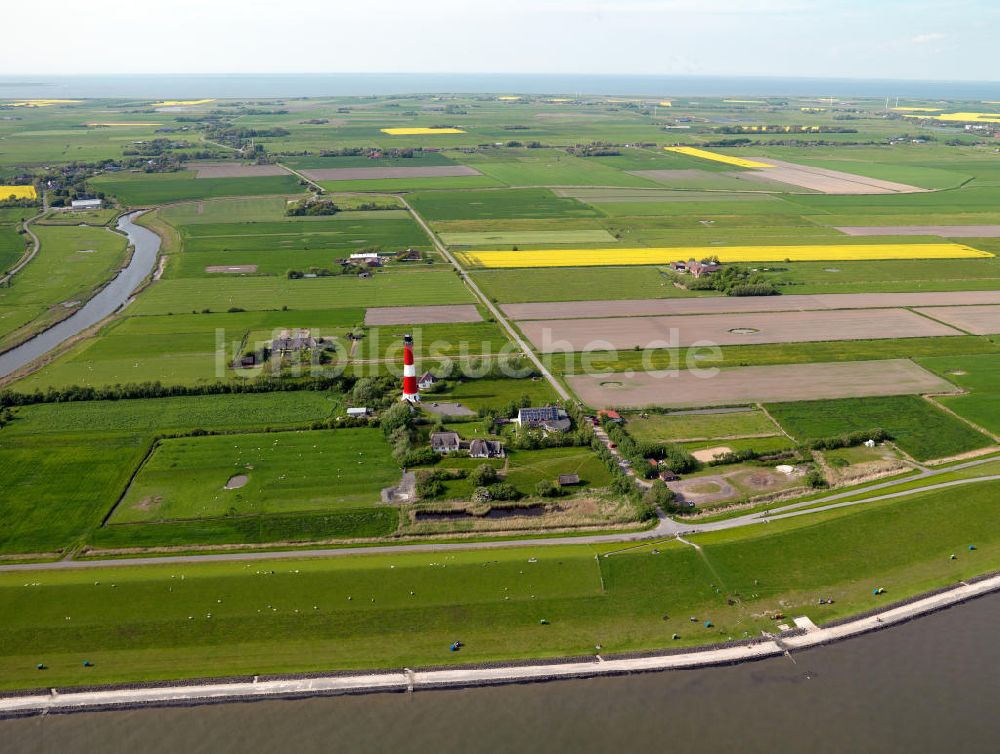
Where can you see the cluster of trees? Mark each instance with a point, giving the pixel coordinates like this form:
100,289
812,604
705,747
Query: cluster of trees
399,425
639,453
781,129
732,280
154,147
311,208
596,149
850,439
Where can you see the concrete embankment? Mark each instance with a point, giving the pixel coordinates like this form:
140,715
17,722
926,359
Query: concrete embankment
806,635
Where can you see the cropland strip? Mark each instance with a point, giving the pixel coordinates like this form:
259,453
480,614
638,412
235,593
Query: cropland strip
769,384
662,255
722,304
826,181
235,170
420,131
235,268
422,315
978,320
17,192
527,237
360,174
706,155
945,231
556,336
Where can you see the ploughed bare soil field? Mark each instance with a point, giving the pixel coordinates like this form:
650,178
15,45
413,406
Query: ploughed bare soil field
978,320
722,304
945,231
422,315
557,335
769,384
822,179
236,170
360,174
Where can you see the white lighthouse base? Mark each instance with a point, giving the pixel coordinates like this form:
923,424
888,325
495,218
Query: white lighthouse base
411,397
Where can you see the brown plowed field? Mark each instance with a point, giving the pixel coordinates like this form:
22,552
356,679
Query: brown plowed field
822,179
236,170
769,384
722,304
551,336
945,231
422,315
361,174
978,320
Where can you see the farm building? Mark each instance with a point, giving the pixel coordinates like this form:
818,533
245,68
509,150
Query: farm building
86,204
610,415
370,258
427,381
569,480
291,341
445,442
547,418
486,449
449,442
358,411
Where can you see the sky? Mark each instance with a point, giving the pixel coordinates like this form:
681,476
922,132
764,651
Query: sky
881,39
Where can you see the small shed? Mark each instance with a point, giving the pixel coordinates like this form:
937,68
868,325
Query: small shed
569,480
358,412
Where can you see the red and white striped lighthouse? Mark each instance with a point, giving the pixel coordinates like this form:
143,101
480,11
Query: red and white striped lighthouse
411,392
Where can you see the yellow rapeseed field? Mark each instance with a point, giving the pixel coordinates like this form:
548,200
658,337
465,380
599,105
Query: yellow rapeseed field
918,109
666,103
706,155
18,192
420,131
815,253
509,98
963,117
41,102
181,102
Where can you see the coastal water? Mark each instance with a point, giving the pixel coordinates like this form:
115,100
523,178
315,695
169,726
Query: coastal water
929,685
366,84
107,301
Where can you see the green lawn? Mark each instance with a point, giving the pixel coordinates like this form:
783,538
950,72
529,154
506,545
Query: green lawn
196,620
479,393
528,468
287,472
12,246
653,427
916,426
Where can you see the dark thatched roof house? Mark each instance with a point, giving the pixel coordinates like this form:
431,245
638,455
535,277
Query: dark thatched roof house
445,442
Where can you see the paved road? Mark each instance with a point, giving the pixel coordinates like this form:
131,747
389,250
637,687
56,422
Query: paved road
494,310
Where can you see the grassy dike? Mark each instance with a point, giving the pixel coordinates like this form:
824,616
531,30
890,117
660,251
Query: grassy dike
371,611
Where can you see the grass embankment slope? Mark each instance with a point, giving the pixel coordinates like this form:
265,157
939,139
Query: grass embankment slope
186,620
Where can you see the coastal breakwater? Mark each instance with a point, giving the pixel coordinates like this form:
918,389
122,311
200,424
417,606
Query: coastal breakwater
804,636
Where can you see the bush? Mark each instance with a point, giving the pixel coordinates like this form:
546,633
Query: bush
483,475
504,491
547,488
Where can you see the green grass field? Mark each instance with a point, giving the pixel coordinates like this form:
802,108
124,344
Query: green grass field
64,465
141,189
778,353
12,247
915,424
286,472
499,204
172,621
679,426
576,284
980,375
